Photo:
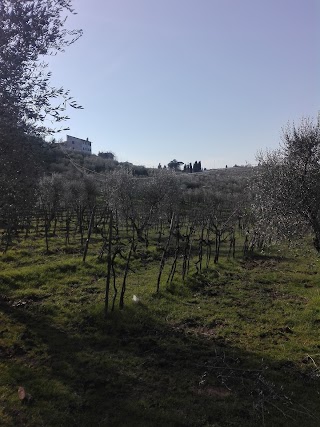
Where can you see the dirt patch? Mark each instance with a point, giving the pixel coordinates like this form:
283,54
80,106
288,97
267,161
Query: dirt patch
269,263
277,295
192,326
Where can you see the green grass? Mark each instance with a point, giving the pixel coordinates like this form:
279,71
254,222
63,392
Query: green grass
237,345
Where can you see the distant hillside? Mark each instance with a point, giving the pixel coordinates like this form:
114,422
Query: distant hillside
57,160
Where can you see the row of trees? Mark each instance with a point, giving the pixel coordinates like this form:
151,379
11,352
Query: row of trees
188,226
176,165
140,201
195,168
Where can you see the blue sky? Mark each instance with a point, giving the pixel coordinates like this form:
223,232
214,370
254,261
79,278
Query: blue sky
209,80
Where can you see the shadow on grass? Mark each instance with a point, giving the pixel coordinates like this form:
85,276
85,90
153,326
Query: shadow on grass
134,370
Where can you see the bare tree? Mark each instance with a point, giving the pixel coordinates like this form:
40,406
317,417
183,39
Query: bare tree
50,196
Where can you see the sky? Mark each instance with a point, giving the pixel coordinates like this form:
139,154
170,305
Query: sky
208,80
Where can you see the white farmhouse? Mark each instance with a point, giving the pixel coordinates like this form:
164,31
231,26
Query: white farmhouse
77,144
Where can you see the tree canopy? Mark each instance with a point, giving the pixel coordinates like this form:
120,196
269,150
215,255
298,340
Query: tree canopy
175,164
29,31
287,187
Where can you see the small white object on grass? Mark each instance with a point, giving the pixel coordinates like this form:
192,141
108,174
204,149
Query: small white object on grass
135,299
23,396
21,393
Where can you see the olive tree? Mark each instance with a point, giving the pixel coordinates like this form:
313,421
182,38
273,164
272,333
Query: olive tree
30,105
140,200
286,189
30,30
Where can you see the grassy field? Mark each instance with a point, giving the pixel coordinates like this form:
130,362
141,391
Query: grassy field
237,345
